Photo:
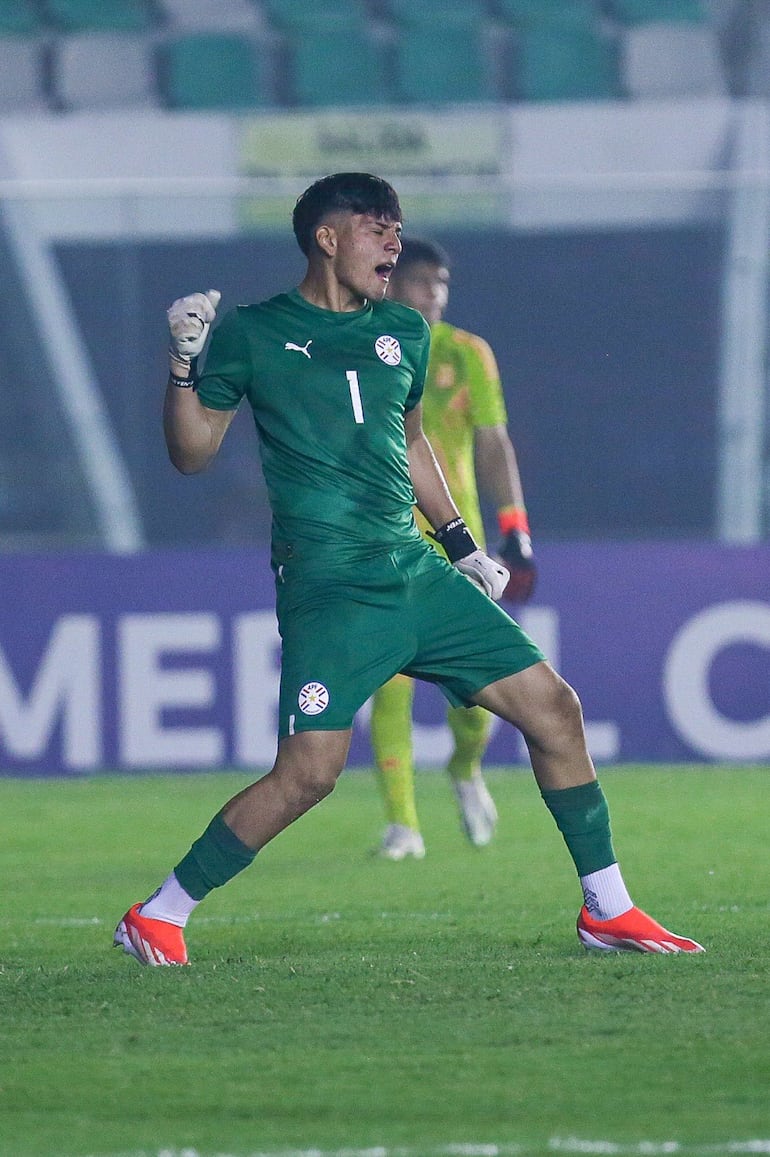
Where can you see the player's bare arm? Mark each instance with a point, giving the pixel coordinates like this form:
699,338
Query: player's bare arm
497,471
193,432
430,487
497,468
438,506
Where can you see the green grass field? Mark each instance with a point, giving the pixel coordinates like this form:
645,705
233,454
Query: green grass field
340,1004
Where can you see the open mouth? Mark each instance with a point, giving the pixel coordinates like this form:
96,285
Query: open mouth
384,271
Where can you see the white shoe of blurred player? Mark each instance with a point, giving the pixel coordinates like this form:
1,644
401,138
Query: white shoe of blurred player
400,842
478,813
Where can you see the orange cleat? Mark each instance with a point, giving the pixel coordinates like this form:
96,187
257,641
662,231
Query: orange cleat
154,942
633,931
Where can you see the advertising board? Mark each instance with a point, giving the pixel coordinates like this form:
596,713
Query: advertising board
170,660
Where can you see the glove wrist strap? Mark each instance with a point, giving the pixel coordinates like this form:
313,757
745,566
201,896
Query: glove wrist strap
512,518
183,373
456,539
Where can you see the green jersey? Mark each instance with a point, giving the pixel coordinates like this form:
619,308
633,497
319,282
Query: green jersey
328,392
462,392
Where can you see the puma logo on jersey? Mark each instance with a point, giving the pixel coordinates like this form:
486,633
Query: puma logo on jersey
301,349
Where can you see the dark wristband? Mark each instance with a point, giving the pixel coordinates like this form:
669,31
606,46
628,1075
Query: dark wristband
190,381
456,539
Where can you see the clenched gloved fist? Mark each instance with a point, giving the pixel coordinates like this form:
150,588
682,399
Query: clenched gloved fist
460,548
487,573
189,321
515,550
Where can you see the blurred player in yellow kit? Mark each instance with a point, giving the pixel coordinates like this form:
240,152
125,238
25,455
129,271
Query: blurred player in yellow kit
464,418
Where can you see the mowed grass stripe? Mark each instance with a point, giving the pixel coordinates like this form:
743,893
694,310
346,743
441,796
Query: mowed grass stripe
338,1002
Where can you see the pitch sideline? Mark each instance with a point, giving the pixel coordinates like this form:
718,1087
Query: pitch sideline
572,1146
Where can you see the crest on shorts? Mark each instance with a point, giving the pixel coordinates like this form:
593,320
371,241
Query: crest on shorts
388,350
313,699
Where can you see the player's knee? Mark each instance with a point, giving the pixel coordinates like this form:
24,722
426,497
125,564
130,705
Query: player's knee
315,781
569,706
562,712
553,721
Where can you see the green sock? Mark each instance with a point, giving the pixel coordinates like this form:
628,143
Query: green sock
583,818
213,859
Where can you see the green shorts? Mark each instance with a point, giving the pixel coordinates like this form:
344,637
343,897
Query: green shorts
348,628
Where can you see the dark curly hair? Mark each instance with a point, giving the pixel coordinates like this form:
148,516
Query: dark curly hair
348,192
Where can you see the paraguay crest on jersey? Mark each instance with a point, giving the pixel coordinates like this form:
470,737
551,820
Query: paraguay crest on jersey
388,350
313,698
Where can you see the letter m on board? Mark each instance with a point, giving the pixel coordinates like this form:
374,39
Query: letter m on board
65,690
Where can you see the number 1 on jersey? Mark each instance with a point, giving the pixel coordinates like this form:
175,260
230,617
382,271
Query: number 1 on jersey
355,396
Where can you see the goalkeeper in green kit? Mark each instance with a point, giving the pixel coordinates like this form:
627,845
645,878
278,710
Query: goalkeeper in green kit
464,418
334,374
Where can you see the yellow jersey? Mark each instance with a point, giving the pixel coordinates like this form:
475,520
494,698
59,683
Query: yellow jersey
462,391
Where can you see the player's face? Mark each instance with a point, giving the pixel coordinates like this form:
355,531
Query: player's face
423,286
367,250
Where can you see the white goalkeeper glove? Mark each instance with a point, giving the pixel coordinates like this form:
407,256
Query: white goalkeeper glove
487,573
189,322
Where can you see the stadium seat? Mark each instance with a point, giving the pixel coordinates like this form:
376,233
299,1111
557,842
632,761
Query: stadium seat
445,62
213,71
99,15
557,65
331,68
21,75
297,15
659,11
450,67
19,18
566,15
182,16
410,15
103,71
668,60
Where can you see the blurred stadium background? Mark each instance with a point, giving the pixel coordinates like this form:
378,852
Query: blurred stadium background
600,172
